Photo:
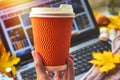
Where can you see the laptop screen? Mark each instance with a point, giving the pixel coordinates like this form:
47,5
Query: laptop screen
16,28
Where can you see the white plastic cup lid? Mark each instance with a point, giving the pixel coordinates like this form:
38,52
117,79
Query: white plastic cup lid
63,9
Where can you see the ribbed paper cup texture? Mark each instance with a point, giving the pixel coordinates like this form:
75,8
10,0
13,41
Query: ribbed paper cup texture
52,37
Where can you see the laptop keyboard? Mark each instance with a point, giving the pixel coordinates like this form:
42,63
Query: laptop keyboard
83,55
29,74
81,58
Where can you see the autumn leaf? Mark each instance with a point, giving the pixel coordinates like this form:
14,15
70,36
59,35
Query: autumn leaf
106,68
105,61
7,60
115,22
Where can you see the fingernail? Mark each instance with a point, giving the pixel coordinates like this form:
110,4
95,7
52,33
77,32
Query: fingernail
34,54
70,63
72,57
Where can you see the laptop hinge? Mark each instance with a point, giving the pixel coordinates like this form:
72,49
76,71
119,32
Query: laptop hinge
89,37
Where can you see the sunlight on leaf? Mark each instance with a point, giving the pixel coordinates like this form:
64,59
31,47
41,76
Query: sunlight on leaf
105,61
7,60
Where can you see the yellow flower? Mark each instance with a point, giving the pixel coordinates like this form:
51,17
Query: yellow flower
95,13
7,60
115,22
105,61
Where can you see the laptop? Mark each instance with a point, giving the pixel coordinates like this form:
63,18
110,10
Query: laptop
16,32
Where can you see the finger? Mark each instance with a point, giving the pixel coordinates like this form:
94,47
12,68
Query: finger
65,74
40,69
58,74
72,57
70,69
48,73
66,71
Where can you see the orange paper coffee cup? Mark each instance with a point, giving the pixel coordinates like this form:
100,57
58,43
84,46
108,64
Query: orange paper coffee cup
52,35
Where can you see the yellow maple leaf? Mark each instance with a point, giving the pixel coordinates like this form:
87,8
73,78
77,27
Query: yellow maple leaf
105,61
115,22
7,60
116,58
107,67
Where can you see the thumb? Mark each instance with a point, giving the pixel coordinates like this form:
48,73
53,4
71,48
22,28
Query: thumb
69,72
70,69
39,67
